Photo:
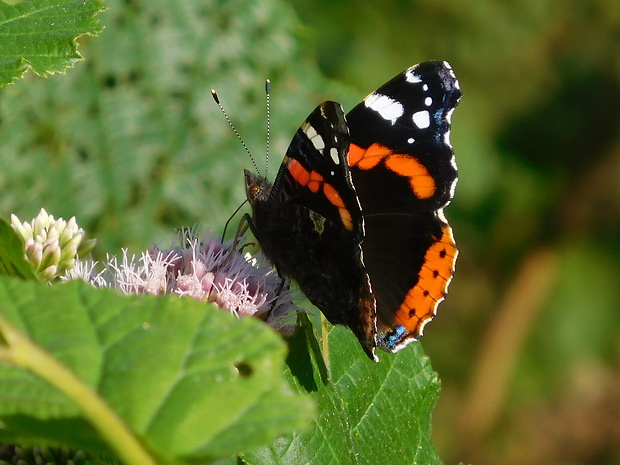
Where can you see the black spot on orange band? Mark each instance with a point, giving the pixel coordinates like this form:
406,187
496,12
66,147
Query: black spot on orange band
420,304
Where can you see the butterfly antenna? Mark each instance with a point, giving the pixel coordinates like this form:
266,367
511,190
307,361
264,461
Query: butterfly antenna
232,126
267,95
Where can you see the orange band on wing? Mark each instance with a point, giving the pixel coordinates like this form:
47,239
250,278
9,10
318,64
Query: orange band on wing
356,153
422,183
366,159
299,173
421,302
315,182
332,195
345,217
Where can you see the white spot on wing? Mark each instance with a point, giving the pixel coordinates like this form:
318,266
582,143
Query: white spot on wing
441,215
422,119
449,115
453,162
411,140
428,101
314,137
388,108
452,189
411,76
318,143
333,153
310,131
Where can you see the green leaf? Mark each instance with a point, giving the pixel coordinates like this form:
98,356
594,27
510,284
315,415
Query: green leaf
12,258
41,35
369,412
91,368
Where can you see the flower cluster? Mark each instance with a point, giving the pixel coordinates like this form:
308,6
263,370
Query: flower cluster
197,266
204,268
52,246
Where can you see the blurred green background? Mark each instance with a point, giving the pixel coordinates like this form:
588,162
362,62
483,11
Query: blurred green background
527,343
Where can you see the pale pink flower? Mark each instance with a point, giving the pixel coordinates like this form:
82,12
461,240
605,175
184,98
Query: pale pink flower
205,269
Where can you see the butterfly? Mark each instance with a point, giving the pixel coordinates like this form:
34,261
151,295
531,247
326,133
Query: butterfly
355,214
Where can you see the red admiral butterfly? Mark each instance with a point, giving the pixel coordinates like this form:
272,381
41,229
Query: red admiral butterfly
355,214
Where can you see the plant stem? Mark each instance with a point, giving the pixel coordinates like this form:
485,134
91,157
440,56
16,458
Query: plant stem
121,439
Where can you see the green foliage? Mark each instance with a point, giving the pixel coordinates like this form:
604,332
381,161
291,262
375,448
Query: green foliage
90,368
132,134
41,35
369,413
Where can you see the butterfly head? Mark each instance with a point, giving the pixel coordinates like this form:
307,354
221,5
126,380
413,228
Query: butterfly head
257,188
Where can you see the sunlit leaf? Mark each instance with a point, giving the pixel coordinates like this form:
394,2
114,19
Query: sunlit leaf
369,412
41,35
191,381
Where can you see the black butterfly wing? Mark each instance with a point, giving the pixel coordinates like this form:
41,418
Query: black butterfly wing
404,173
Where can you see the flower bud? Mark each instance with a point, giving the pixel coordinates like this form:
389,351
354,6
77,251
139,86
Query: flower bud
52,246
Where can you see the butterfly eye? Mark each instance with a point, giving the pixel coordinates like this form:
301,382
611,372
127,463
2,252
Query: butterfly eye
253,191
